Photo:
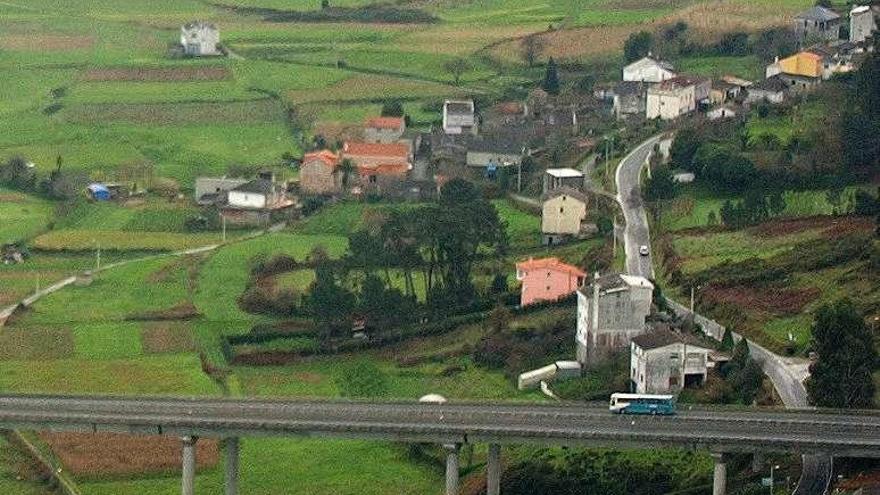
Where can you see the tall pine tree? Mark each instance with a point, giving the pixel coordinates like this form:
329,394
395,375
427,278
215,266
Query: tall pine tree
551,78
841,377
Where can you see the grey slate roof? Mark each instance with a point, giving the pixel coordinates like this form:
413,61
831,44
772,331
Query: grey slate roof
662,338
819,14
773,84
567,191
505,144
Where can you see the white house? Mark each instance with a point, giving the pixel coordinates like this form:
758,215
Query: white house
611,311
649,70
664,361
199,39
671,99
459,117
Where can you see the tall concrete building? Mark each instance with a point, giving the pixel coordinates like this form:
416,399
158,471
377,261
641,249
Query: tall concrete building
611,311
862,23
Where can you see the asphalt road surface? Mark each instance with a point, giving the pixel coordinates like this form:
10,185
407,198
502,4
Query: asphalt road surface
729,430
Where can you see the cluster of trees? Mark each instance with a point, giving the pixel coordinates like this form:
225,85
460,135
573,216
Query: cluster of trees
860,121
842,375
716,163
440,241
17,173
515,350
755,207
742,375
674,40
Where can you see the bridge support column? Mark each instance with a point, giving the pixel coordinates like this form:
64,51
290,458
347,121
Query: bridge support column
189,465
719,483
757,462
232,466
493,470
452,468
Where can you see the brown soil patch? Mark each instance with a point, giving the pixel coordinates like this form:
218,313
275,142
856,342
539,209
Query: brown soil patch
163,337
100,454
768,300
185,310
833,227
11,198
46,43
268,358
842,227
35,343
310,378
169,74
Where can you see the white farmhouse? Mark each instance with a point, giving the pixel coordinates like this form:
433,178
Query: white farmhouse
611,311
648,70
664,361
199,39
671,99
459,117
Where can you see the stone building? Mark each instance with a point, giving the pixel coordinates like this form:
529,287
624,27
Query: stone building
611,311
318,173
862,23
258,202
199,39
671,99
384,129
664,361
211,190
818,23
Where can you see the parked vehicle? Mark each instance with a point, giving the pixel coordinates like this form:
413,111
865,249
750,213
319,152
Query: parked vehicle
642,404
643,250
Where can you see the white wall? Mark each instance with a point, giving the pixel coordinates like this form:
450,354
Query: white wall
246,199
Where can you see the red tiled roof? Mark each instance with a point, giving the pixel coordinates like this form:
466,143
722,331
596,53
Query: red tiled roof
550,264
326,156
385,122
376,149
384,169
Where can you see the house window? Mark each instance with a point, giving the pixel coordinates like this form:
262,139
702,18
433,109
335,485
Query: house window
561,210
673,381
548,274
372,179
673,356
548,288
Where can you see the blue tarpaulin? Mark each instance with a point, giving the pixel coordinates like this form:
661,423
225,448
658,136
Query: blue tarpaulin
99,192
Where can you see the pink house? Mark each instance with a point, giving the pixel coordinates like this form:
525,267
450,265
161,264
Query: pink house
547,279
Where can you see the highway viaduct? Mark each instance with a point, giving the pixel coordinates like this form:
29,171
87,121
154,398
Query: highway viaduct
719,430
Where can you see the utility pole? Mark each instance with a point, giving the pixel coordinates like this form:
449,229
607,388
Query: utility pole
98,257
223,221
692,299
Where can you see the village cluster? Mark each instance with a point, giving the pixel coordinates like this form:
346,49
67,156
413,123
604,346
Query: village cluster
614,311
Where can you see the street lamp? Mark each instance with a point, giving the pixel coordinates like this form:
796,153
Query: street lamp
772,469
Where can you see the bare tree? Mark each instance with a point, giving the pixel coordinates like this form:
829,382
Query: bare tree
532,47
457,67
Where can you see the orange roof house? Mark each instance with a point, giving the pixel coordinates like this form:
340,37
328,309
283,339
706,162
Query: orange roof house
384,129
373,160
806,64
547,279
386,122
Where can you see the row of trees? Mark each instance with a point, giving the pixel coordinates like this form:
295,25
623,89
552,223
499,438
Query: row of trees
675,40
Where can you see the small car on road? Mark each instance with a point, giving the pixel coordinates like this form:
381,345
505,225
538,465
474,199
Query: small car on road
643,250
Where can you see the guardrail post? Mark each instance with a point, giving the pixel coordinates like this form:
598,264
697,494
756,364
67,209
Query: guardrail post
452,468
189,465
719,482
232,466
493,470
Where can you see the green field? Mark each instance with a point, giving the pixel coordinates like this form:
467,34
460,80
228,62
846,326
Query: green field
22,216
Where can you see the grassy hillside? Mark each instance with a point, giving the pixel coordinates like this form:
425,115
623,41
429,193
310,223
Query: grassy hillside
92,82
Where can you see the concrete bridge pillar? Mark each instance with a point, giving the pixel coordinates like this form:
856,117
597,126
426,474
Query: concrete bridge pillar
452,468
719,483
493,470
232,466
189,465
757,462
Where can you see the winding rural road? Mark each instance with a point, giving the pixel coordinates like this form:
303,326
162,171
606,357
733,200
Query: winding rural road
786,374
